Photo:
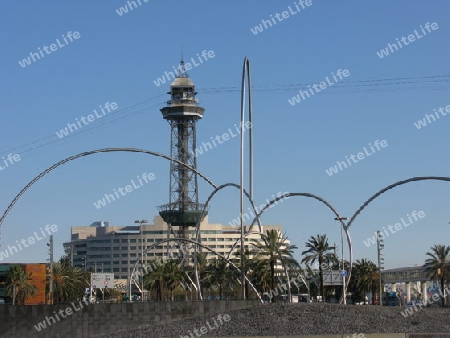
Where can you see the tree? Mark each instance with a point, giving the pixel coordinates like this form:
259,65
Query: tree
202,264
173,275
19,285
219,273
318,251
69,282
365,278
155,278
167,275
438,266
271,249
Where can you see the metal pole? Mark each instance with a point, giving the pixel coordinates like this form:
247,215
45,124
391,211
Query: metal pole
379,266
245,71
140,222
344,288
343,269
142,264
242,188
51,270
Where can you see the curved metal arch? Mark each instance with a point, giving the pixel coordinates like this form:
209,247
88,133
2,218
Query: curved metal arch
196,243
216,190
287,195
198,235
87,153
245,71
389,187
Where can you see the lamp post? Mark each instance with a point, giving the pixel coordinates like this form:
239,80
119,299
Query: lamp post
344,288
380,253
140,222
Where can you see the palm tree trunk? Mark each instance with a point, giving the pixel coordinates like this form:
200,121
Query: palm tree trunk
288,283
272,278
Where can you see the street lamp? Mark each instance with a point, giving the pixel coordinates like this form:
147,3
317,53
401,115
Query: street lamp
140,222
344,289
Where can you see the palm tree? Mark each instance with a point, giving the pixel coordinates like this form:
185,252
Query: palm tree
438,266
319,251
251,270
274,248
259,272
365,279
155,278
69,282
202,264
173,275
219,273
19,285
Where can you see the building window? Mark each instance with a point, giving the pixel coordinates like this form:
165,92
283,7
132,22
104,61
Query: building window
133,255
125,255
220,239
133,240
116,262
124,240
116,240
116,248
100,241
132,248
116,255
150,240
124,262
115,269
124,248
124,269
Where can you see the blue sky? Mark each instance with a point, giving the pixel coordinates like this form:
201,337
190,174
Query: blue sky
117,58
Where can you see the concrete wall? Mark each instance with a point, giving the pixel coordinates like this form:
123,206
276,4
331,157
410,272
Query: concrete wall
87,320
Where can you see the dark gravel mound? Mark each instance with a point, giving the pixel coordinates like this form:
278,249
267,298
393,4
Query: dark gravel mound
305,319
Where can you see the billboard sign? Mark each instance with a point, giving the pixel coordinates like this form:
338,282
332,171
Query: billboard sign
102,280
332,277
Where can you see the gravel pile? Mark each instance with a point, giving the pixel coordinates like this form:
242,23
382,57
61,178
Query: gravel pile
303,319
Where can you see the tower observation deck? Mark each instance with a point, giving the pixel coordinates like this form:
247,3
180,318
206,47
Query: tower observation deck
182,113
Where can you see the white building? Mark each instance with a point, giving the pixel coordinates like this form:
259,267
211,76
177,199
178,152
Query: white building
115,249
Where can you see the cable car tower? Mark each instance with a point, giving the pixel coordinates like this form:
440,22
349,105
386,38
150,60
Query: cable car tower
182,113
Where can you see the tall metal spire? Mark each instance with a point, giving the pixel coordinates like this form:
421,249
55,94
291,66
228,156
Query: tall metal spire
182,70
